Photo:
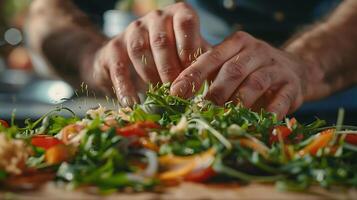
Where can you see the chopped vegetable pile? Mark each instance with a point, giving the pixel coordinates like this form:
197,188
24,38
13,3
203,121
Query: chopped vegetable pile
167,140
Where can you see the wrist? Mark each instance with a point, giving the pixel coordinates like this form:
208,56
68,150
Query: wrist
312,72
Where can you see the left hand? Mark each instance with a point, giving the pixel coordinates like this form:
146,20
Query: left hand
153,49
248,70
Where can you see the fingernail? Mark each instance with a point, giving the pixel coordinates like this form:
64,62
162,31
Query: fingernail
180,88
127,101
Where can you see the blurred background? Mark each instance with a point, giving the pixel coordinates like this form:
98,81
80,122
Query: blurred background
29,88
22,90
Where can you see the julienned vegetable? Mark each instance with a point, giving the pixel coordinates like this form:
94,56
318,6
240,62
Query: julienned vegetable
321,141
168,140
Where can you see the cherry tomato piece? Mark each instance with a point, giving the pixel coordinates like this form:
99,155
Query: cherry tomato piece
45,141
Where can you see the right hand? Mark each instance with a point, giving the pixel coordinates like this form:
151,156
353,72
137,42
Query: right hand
153,49
250,71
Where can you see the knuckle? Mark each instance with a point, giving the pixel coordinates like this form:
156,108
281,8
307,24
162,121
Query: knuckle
115,44
137,45
161,40
195,73
155,13
258,81
234,70
241,36
261,45
271,76
118,67
214,56
122,85
168,71
135,24
187,22
194,76
286,98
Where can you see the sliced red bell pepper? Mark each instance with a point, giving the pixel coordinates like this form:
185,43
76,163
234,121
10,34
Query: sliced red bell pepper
351,138
45,141
137,129
131,130
147,124
200,176
4,123
283,130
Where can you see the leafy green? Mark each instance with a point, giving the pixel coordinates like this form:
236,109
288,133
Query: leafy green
3,175
111,161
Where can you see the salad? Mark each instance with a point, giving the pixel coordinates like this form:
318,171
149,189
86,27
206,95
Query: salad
168,140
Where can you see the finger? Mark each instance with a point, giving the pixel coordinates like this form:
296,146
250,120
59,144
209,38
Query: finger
192,77
187,34
162,41
120,76
283,101
101,74
256,85
139,52
234,72
264,100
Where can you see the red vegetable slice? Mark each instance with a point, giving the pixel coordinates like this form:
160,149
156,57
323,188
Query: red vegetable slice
45,141
190,167
351,138
4,123
284,131
131,130
148,124
200,176
137,129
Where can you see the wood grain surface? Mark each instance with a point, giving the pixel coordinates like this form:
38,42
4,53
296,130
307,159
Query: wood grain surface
186,191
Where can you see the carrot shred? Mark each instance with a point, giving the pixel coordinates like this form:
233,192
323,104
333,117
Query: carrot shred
321,141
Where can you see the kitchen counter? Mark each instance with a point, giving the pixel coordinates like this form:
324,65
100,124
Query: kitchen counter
189,191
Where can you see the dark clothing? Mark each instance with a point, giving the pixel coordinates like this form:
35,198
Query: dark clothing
95,8
272,20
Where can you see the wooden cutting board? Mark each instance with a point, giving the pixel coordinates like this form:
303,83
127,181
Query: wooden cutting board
189,191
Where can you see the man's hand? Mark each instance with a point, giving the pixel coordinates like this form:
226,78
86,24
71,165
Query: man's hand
154,48
250,71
